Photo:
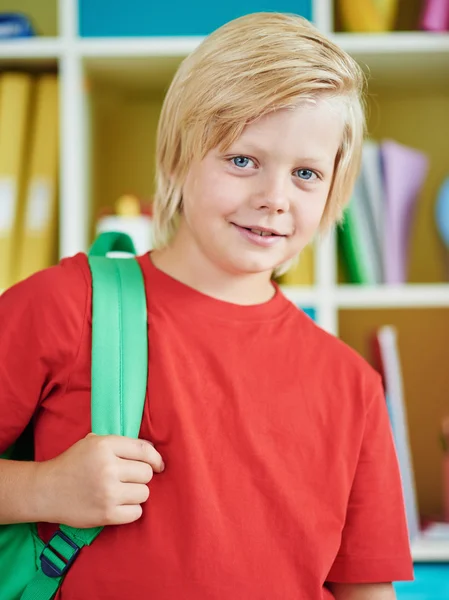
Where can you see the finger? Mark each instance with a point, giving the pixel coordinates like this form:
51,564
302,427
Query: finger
141,450
133,493
126,514
132,471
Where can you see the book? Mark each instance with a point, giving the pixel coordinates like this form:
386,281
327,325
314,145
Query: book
302,271
374,196
388,362
368,15
355,242
15,99
37,241
404,171
361,233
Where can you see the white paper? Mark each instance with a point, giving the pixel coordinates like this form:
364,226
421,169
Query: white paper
38,205
437,531
387,336
8,201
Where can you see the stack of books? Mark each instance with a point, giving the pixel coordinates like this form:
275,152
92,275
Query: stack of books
430,543
374,235
29,135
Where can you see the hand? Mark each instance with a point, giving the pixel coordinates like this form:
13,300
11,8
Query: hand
100,480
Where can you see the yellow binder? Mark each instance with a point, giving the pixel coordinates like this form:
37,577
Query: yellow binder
38,240
15,93
302,272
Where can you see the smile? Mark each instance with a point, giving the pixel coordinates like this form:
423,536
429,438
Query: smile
260,231
259,236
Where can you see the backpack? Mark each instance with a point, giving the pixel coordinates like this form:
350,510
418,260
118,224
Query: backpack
30,569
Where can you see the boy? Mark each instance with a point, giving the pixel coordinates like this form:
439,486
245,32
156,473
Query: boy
274,469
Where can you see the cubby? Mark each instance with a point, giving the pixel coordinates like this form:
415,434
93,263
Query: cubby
43,15
423,338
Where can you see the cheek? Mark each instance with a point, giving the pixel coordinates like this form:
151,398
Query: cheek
205,196
309,210
218,195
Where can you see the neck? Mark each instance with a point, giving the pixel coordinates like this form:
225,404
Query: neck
190,266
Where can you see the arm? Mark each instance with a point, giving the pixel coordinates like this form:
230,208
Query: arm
362,591
20,492
100,480
374,545
41,319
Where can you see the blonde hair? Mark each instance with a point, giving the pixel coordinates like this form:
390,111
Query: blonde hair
245,69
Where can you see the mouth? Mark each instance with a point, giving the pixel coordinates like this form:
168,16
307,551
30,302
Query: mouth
261,237
261,231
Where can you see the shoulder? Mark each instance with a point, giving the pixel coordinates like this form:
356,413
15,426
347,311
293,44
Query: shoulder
59,293
338,365
339,353
68,275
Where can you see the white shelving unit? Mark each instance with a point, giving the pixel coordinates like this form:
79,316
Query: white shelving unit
394,59
391,57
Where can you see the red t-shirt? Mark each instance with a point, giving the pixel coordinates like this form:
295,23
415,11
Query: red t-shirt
280,468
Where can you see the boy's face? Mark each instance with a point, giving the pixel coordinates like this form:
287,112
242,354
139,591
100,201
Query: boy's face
274,179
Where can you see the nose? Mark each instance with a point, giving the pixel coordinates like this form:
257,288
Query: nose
273,195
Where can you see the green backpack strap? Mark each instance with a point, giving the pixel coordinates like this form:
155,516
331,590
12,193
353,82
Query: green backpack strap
119,382
119,343
112,241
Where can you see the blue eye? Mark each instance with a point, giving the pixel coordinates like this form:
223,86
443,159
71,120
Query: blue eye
306,174
241,161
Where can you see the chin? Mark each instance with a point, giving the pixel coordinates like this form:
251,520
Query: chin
251,265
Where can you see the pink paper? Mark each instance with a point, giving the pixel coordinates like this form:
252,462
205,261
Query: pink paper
446,487
435,16
404,172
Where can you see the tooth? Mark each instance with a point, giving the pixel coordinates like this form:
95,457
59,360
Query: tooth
261,233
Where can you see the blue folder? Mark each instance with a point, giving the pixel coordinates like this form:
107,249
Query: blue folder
111,18
431,583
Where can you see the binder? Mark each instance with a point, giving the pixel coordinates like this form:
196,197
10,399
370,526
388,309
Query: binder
371,173
360,235
15,96
387,356
302,271
373,16
354,241
38,240
405,170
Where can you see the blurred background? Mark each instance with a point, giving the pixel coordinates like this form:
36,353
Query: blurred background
81,87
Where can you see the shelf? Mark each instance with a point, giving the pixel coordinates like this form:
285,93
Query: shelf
303,296
354,296
402,42
38,47
136,64
397,43
401,296
414,58
135,47
425,550
400,58
34,53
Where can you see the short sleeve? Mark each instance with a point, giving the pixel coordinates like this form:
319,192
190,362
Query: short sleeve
41,324
375,546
